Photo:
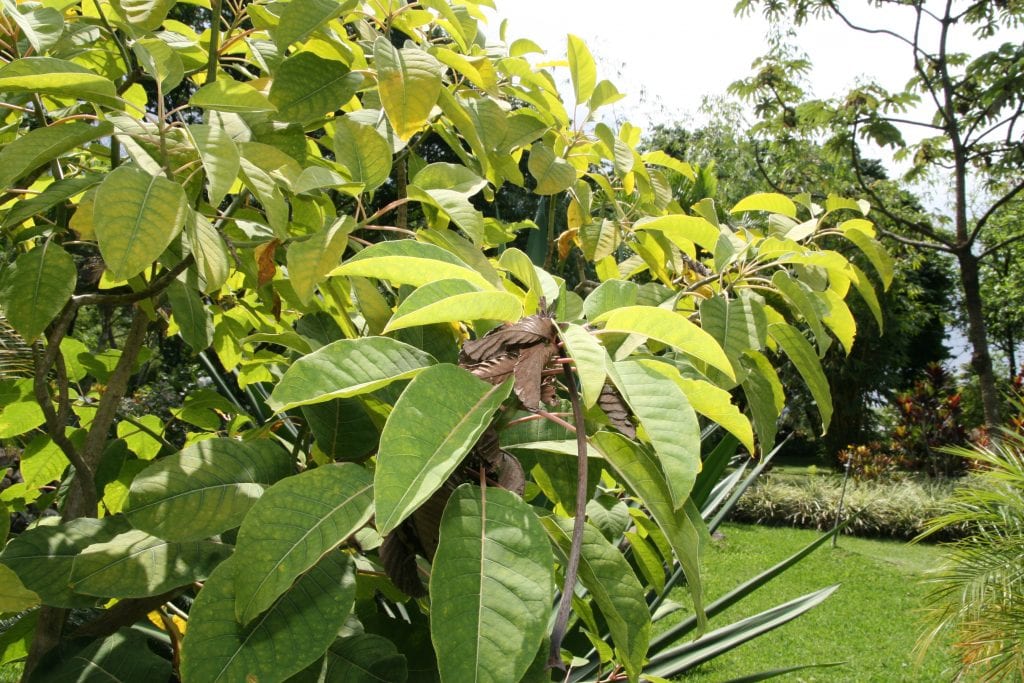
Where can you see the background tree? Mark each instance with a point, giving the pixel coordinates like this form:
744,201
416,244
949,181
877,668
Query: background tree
971,107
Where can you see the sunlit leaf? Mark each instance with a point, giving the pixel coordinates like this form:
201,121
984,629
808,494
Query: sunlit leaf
409,262
41,145
34,288
553,174
306,87
451,301
409,82
766,201
800,352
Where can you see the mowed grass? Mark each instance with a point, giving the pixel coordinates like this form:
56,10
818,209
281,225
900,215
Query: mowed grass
870,624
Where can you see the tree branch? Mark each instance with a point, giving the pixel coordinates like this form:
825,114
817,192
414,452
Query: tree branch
1002,201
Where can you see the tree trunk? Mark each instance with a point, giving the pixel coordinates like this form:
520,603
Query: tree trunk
981,359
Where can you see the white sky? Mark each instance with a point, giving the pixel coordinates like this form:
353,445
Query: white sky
666,55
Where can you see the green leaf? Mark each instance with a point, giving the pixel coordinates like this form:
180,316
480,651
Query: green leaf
838,318
669,328
311,259
609,296
42,26
660,158
14,597
873,250
43,557
140,442
306,87
606,574
363,658
55,194
209,251
205,489
57,77
220,159
347,367
37,147
35,288
683,231
435,422
409,83
683,527
716,404
669,420
42,461
600,239
194,322
490,587
766,201
867,293
582,69
553,174
363,151
764,394
17,639
292,634
799,295
802,355
135,565
452,300
297,522
453,177
301,17
124,657
160,61
738,325
343,428
408,262
456,206
145,15
136,217
590,359
227,94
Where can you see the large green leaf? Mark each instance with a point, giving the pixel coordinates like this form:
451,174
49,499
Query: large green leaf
311,259
219,156
363,658
35,288
802,355
145,15
453,177
123,657
347,367
296,522
363,151
683,527
306,87
43,557
606,574
299,18
136,216
766,201
669,328
867,292
716,404
227,94
57,77
667,418
451,300
195,324
683,231
590,360
343,428
14,597
490,587
42,26
435,422
209,251
582,69
553,174
838,318
800,296
205,489
738,325
408,262
134,565
409,83
456,206
880,259
764,394
292,634
37,147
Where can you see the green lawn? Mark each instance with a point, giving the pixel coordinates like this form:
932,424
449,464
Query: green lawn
870,623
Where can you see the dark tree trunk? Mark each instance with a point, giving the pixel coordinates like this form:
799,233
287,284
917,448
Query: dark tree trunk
981,359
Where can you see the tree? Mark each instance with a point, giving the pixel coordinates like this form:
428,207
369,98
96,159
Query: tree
394,384
1002,288
972,107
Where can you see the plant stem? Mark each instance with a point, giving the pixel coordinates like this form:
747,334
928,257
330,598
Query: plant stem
573,562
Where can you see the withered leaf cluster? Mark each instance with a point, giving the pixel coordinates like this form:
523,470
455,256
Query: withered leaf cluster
523,350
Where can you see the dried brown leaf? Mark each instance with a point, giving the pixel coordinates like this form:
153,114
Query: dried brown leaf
398,555
529,373
494,370
614,406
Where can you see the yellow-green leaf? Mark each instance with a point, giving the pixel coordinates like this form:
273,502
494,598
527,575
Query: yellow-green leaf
57,77
14,597
453,300
766,201
683,231
220,159
136,217
582,69
553,174
407,262
363,151
34,289
807,364
669,328
310,260
409,82
226,94
306,87
37,147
